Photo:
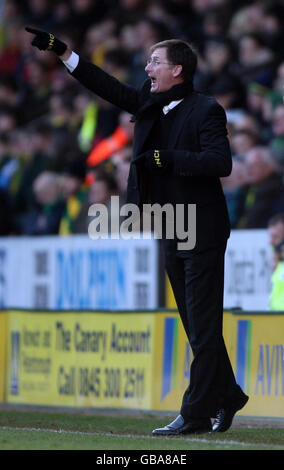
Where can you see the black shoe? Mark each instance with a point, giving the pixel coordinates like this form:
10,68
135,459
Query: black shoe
179,426
224,417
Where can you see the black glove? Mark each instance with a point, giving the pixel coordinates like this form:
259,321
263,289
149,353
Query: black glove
155,159
47,41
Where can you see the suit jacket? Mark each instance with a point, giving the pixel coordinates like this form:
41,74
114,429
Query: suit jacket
199,148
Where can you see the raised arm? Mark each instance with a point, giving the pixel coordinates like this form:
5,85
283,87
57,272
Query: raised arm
88,74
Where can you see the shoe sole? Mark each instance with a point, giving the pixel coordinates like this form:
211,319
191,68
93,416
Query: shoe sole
166,433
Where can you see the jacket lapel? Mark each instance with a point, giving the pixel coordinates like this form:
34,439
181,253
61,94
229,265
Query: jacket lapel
142,130
184,110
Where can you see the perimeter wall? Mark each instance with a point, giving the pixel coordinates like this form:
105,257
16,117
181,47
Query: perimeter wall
131,359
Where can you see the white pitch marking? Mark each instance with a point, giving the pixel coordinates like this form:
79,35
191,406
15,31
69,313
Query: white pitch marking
135,436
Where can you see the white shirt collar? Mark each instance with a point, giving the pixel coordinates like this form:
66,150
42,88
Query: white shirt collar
171,105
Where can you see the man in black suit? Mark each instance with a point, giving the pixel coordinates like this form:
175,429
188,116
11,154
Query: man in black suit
180,152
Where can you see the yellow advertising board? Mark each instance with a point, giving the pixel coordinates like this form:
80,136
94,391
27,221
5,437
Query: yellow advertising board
170,298
173,357
172,361
3,317
259,362
134,360
255,344
81,359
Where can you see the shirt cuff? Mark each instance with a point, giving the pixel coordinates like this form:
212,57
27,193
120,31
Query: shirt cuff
72,62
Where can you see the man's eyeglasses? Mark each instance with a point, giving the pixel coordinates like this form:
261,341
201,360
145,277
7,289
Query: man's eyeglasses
156,62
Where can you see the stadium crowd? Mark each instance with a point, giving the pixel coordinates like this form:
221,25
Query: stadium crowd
63,149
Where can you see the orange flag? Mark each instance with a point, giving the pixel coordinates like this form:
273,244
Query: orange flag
108,146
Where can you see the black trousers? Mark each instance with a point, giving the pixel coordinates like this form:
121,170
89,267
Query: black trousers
197,280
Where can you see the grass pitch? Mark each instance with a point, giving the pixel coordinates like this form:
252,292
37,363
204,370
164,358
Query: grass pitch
50,430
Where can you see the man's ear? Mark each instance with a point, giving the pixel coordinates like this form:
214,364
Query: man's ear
177,70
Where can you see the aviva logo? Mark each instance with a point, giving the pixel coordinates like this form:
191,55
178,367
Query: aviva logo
266,370
170,356
243,372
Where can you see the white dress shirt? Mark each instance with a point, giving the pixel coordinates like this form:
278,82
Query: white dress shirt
171,105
